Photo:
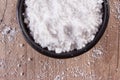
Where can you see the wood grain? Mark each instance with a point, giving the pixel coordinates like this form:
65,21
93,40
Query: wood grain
18,61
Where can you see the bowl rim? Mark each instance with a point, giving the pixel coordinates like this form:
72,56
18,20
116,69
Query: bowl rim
71,54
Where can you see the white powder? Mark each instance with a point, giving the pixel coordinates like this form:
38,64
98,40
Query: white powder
117,7
9,32
63,25
97,53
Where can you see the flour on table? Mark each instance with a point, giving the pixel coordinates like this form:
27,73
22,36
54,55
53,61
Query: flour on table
117,6
63,25
98,52
9,32
21,45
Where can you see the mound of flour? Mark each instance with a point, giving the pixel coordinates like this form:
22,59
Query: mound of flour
63,25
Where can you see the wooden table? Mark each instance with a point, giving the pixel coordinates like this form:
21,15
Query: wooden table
18,61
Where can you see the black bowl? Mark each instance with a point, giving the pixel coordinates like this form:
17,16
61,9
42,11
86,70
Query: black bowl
26,32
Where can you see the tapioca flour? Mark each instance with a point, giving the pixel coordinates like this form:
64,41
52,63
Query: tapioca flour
63,25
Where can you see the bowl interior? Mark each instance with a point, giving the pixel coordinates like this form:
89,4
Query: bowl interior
26,32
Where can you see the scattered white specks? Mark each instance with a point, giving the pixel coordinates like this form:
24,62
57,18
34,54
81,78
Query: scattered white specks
57,77
22,56
9,32
97,52
2,64
13,73
6,30
42,76
30,59
77,72
117,6
19,65
22,74
21,45
88,63
60,77
59,61
9,52
116,9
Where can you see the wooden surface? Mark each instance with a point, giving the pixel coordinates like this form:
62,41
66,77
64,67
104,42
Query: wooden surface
18,61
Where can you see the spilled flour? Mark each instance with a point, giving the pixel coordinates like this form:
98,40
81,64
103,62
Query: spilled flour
64,25
117,9
97,52
8,33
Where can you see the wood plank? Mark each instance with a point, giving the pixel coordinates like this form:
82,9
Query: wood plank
18,61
